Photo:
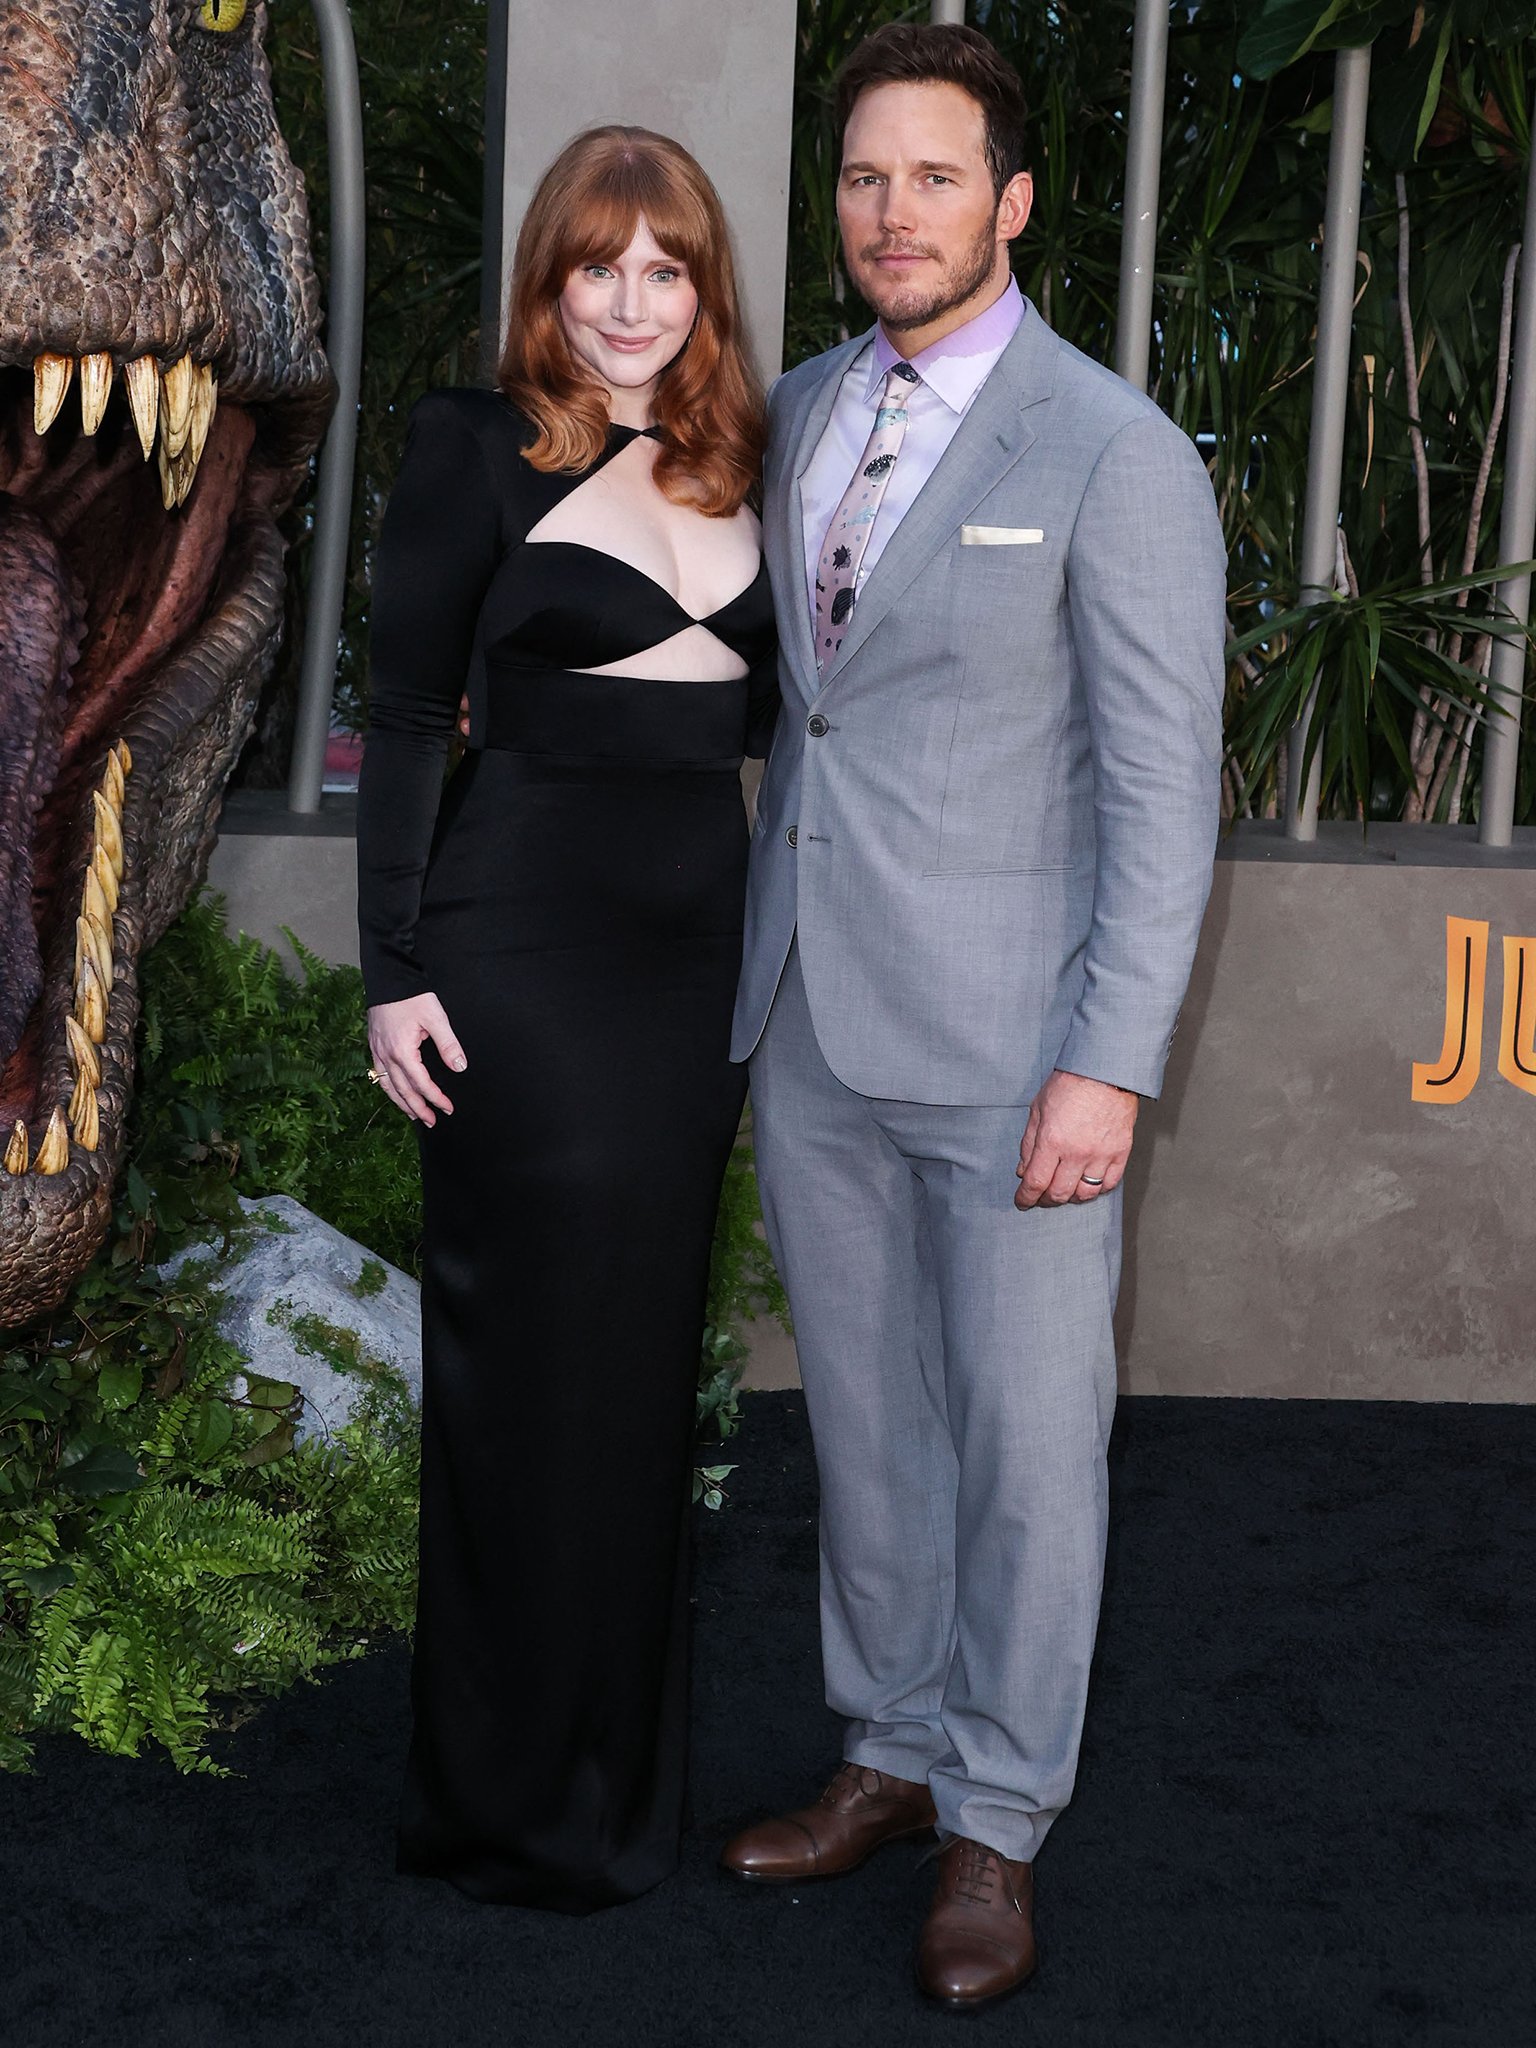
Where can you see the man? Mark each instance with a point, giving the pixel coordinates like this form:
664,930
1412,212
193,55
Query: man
981,856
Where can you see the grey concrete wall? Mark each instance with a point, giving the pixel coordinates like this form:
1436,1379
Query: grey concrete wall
1296,1222
717,75
277,867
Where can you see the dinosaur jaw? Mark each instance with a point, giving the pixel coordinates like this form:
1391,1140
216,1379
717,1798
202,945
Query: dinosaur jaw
139,613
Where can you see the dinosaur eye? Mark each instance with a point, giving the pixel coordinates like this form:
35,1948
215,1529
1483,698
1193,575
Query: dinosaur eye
221,15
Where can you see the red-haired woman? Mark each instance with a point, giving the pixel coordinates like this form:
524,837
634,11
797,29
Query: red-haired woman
550,954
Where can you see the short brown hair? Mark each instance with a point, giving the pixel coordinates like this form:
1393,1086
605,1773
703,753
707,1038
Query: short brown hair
940,53
586,210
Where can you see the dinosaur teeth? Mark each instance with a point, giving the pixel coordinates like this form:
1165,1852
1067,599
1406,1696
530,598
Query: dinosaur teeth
101,941
124,757
205,399
93,900
50,380
95,389
84,1118
90,1001
101,868
108,833
86,1059
143,382
93,943
17,1152
82,1092
176,405
53,1153
177,473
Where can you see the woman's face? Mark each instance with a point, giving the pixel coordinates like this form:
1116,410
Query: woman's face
627,319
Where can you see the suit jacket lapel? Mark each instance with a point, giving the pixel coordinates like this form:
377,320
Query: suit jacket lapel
802,433
987,443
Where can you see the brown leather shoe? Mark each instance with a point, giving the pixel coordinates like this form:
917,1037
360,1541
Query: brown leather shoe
978,1942
859,1811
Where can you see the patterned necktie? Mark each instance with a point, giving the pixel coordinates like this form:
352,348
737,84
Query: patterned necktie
837,572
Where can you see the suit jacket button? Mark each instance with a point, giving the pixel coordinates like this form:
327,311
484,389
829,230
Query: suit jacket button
791,837
816,725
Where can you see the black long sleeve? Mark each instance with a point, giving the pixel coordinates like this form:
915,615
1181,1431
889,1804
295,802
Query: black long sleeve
763,702
437,552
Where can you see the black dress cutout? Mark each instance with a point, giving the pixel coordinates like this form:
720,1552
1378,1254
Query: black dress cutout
574,898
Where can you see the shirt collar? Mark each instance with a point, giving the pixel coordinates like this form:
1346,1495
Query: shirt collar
957,366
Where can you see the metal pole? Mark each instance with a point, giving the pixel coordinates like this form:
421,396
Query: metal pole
1517,543
491,215
1138,232
950,11
1330,388
344,347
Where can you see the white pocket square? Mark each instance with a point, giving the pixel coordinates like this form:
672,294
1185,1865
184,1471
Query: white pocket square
1000,536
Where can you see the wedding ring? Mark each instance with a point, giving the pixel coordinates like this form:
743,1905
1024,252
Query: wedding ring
1089,1181
374,1075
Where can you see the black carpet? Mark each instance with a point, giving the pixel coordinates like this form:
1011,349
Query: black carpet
1305,1811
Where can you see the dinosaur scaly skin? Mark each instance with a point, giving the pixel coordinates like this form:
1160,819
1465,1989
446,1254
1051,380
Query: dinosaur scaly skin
162,388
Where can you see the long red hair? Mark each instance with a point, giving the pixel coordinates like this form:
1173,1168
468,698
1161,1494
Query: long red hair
708,402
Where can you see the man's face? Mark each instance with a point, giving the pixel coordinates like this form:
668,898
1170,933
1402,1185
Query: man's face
923,231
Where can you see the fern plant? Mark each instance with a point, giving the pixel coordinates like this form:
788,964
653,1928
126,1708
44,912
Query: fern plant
166,1547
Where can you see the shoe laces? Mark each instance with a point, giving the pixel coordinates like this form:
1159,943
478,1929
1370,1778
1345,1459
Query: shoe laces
852,1780
977,1873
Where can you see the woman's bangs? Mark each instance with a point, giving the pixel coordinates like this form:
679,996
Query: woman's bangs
606,216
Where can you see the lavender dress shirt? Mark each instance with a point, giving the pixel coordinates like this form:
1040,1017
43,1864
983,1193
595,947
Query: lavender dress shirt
952,371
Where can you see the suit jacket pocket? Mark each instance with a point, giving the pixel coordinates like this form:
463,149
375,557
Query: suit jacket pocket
1001,536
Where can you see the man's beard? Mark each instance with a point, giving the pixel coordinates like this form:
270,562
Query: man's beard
911,307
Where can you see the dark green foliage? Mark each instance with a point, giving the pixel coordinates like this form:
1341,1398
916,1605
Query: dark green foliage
742,1283
167,1554
254,1082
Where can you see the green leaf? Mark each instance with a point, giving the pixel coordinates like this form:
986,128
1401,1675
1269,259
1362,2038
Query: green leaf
47,1579
1405,90
106,1468
214,1428
119,1386
276,1442
265,1393
1281,31
31,1400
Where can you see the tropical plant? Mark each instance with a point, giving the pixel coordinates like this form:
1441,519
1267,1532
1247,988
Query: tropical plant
168,1553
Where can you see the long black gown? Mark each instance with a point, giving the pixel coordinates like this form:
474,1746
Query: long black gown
574,898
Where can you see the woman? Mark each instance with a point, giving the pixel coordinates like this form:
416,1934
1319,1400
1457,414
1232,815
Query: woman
550,954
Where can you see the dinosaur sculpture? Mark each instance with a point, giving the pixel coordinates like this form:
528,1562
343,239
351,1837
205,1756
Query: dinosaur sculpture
162,389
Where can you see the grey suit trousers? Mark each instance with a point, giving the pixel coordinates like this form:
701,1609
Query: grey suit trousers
959,1370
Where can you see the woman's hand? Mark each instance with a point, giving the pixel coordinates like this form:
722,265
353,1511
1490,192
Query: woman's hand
396,1032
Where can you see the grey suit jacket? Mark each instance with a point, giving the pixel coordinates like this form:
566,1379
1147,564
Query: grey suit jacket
992,819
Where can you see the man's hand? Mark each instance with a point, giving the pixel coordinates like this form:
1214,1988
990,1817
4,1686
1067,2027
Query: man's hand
396,1032
464,714
1076,1143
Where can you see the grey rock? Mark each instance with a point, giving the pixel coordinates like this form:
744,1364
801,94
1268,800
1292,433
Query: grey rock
300,1265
